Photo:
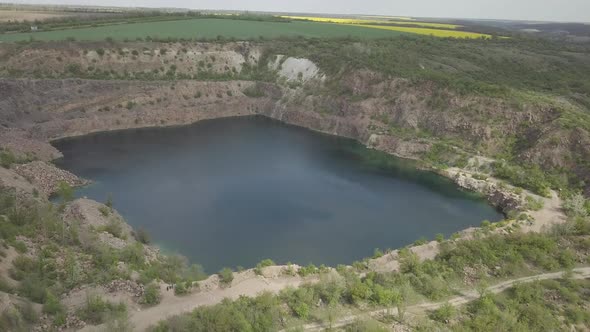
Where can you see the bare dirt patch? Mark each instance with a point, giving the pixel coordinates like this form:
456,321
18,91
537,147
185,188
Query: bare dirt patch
24,15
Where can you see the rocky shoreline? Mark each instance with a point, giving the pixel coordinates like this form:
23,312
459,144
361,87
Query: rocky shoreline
48,178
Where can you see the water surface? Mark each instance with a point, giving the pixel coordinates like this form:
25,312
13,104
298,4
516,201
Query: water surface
232,192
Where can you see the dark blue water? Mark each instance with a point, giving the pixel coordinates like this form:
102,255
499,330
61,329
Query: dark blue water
235,191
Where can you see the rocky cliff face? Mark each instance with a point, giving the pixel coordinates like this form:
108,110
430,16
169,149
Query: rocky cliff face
392,114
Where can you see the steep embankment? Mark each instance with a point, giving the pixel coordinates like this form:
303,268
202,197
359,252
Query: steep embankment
76,88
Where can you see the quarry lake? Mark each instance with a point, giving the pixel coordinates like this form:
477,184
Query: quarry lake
234,191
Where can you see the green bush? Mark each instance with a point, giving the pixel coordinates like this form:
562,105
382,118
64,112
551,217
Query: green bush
180,288
479,176
114,227
262,264
308,270
528,177
96,309
7,158
52,304
226,276
151,294
104,210
377,253
534,204
444,314
576,205
20,247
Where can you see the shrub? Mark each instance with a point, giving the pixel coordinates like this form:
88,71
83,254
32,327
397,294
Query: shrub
109,202
7,158
142,236
65,192
575,205
262,264
52,305
443,314
308,270
180,289
114,227
479,176
420,241
529,177
133,254
104,210
20,246
534,204
377,253
96,309
28,312
4,285
100,52
226,276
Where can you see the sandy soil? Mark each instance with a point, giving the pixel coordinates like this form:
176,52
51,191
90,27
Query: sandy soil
550,214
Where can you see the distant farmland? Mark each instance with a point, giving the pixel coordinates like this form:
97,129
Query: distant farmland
205,29
23,15
400,24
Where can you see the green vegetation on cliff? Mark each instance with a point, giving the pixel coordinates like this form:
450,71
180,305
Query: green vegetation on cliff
68,256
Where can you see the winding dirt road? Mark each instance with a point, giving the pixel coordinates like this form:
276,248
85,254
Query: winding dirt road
468,296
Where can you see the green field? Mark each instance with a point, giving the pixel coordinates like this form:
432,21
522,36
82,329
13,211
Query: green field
205,29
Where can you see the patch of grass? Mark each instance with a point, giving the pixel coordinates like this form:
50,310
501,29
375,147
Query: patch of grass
534,204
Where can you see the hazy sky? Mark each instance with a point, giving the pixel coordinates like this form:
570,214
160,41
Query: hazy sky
548,10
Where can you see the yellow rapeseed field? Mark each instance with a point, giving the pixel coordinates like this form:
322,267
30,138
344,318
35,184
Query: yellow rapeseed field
405,18
431,32
363,21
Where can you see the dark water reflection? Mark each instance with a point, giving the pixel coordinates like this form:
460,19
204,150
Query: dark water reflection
234,191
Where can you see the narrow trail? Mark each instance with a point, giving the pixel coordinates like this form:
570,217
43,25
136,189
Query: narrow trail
466,297
175,305
244,284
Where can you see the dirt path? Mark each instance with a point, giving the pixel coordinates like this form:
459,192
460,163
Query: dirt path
550,214
468,296
174,305
245,283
